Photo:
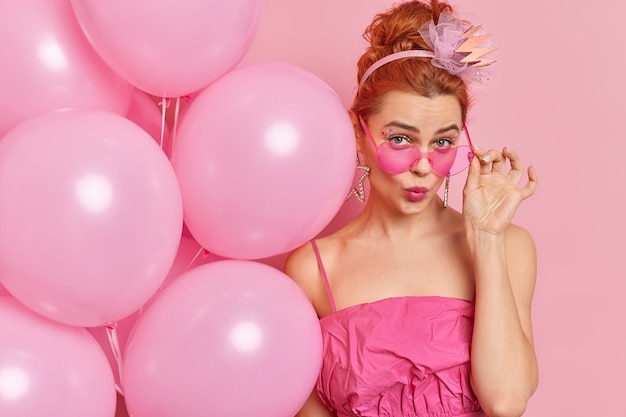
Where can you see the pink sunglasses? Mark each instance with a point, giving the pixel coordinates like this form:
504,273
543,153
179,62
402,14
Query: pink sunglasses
396,158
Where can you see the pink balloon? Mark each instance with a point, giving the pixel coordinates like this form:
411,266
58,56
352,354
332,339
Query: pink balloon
47,64
97,201
170,48
301,43
189,255
265,157
230,338
50,369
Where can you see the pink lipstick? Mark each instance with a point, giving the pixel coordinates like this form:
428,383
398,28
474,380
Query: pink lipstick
416,193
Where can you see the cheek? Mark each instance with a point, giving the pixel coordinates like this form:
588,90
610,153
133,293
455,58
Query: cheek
438,182
384,180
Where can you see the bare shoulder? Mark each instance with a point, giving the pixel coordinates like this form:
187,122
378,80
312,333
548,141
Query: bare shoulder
299,264
302,267
520,245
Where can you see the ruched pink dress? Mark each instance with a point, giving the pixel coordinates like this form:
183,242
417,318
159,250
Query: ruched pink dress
398,357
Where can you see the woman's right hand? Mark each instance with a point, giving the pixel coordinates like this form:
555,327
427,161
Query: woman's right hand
491,195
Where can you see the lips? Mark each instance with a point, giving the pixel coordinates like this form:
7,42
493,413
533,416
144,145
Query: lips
417,189
416,193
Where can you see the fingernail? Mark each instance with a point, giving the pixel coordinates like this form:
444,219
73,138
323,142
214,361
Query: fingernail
485,158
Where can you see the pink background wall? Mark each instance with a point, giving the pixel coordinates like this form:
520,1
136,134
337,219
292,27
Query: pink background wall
558,99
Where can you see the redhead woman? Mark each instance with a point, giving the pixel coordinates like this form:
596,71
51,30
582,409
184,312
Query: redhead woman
424,310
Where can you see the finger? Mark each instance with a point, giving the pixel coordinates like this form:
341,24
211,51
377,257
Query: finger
479,153
491,156
517,169
531,185
473,175
499,162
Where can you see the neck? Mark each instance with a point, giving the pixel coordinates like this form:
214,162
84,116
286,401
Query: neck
381,221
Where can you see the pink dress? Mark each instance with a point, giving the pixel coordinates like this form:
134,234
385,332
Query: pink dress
398,357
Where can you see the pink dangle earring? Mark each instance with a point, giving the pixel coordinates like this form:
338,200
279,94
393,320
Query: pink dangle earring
445,191
359,191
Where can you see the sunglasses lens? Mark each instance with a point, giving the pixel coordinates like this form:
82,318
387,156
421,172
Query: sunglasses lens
396,159
451,160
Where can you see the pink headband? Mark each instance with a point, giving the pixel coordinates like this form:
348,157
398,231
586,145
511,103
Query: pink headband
455,48
393,57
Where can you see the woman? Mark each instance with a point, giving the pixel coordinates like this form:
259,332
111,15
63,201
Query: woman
410,287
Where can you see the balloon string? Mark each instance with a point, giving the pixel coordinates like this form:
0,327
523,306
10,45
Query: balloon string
175,125
164,104
195,258
111,329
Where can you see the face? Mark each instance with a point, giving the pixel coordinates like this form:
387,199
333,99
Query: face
429,126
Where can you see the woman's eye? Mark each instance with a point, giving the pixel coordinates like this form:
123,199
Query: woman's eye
399,140
444,142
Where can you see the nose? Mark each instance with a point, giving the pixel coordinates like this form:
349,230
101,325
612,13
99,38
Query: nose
422,166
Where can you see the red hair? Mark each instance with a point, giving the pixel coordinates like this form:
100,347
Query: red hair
394,31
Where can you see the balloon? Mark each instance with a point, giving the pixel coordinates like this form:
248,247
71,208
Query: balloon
265,157
92,195
189,255
50,369
326,44
231,338
310,48
169,48
48,64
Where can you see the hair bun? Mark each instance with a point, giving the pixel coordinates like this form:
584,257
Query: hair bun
397,29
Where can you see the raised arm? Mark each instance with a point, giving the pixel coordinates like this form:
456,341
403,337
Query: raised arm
504,365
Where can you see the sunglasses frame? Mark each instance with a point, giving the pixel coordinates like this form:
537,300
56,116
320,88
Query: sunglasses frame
420,154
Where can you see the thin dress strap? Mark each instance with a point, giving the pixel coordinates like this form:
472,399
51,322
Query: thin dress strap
323,271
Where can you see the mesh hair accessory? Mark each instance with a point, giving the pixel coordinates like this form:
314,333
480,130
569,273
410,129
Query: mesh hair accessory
455,47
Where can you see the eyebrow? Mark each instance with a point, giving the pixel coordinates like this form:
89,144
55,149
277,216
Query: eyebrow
410,128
